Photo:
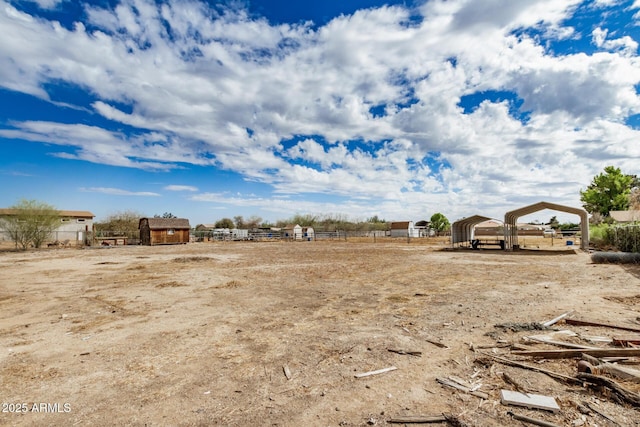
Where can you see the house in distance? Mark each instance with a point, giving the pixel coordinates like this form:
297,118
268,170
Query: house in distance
164,231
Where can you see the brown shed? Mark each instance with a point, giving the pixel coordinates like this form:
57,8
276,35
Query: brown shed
164,231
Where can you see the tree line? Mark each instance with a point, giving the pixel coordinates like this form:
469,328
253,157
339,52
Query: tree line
126,222
31,222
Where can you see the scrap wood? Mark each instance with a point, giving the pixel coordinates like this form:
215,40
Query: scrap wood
418,419
509,380
498,345
556,319
621,392
411,353
624,341
580,322
550,339
599,412
532,420
568,354
472,387
593,365
563,344
379,371
554,375
453,384
436,343
287,372
595,339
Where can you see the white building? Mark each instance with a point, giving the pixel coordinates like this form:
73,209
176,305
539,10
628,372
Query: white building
74,227
403,229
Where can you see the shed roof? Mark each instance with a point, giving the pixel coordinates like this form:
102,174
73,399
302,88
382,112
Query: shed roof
625,216
400,225
165,223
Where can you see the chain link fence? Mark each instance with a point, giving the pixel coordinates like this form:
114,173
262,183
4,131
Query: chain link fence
625,238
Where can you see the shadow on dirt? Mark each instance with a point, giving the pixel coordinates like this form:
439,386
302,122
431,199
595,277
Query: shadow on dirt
633,269
521,251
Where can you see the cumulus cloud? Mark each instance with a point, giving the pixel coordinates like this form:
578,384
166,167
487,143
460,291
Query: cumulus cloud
362,106
625,44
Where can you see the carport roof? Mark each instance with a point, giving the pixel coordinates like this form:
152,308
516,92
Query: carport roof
512,216
462,230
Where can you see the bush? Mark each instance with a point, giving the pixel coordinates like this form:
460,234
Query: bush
599,235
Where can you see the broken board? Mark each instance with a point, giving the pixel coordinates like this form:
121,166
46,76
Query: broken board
534,401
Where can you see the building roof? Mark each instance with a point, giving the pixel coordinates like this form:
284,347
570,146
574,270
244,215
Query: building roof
490,223
205,227
527,226
163,223
400,225
625,216
68,214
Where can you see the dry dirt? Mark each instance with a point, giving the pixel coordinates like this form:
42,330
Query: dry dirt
202,334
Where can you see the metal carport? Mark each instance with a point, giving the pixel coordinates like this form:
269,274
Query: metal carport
511,218
462,230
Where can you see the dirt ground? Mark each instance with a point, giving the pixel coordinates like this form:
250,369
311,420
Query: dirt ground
274,333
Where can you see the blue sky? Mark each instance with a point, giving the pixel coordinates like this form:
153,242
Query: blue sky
358,108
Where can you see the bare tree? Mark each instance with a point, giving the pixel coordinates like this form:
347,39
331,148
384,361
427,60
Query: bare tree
123,223
634,198
239,221
30,222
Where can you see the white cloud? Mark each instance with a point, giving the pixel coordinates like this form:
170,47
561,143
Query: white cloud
118,192
228,90
625,44
181,188
48,4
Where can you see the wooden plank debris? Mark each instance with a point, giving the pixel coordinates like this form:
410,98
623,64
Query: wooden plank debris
530,420
557,376
556,319
533,401
595,366
624,341
376,372
287,372
418,419
436,343
411,353
595,409
551,339
627,395
509,380
568,354
450,383
580,322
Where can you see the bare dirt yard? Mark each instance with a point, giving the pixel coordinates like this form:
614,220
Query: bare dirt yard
277,333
